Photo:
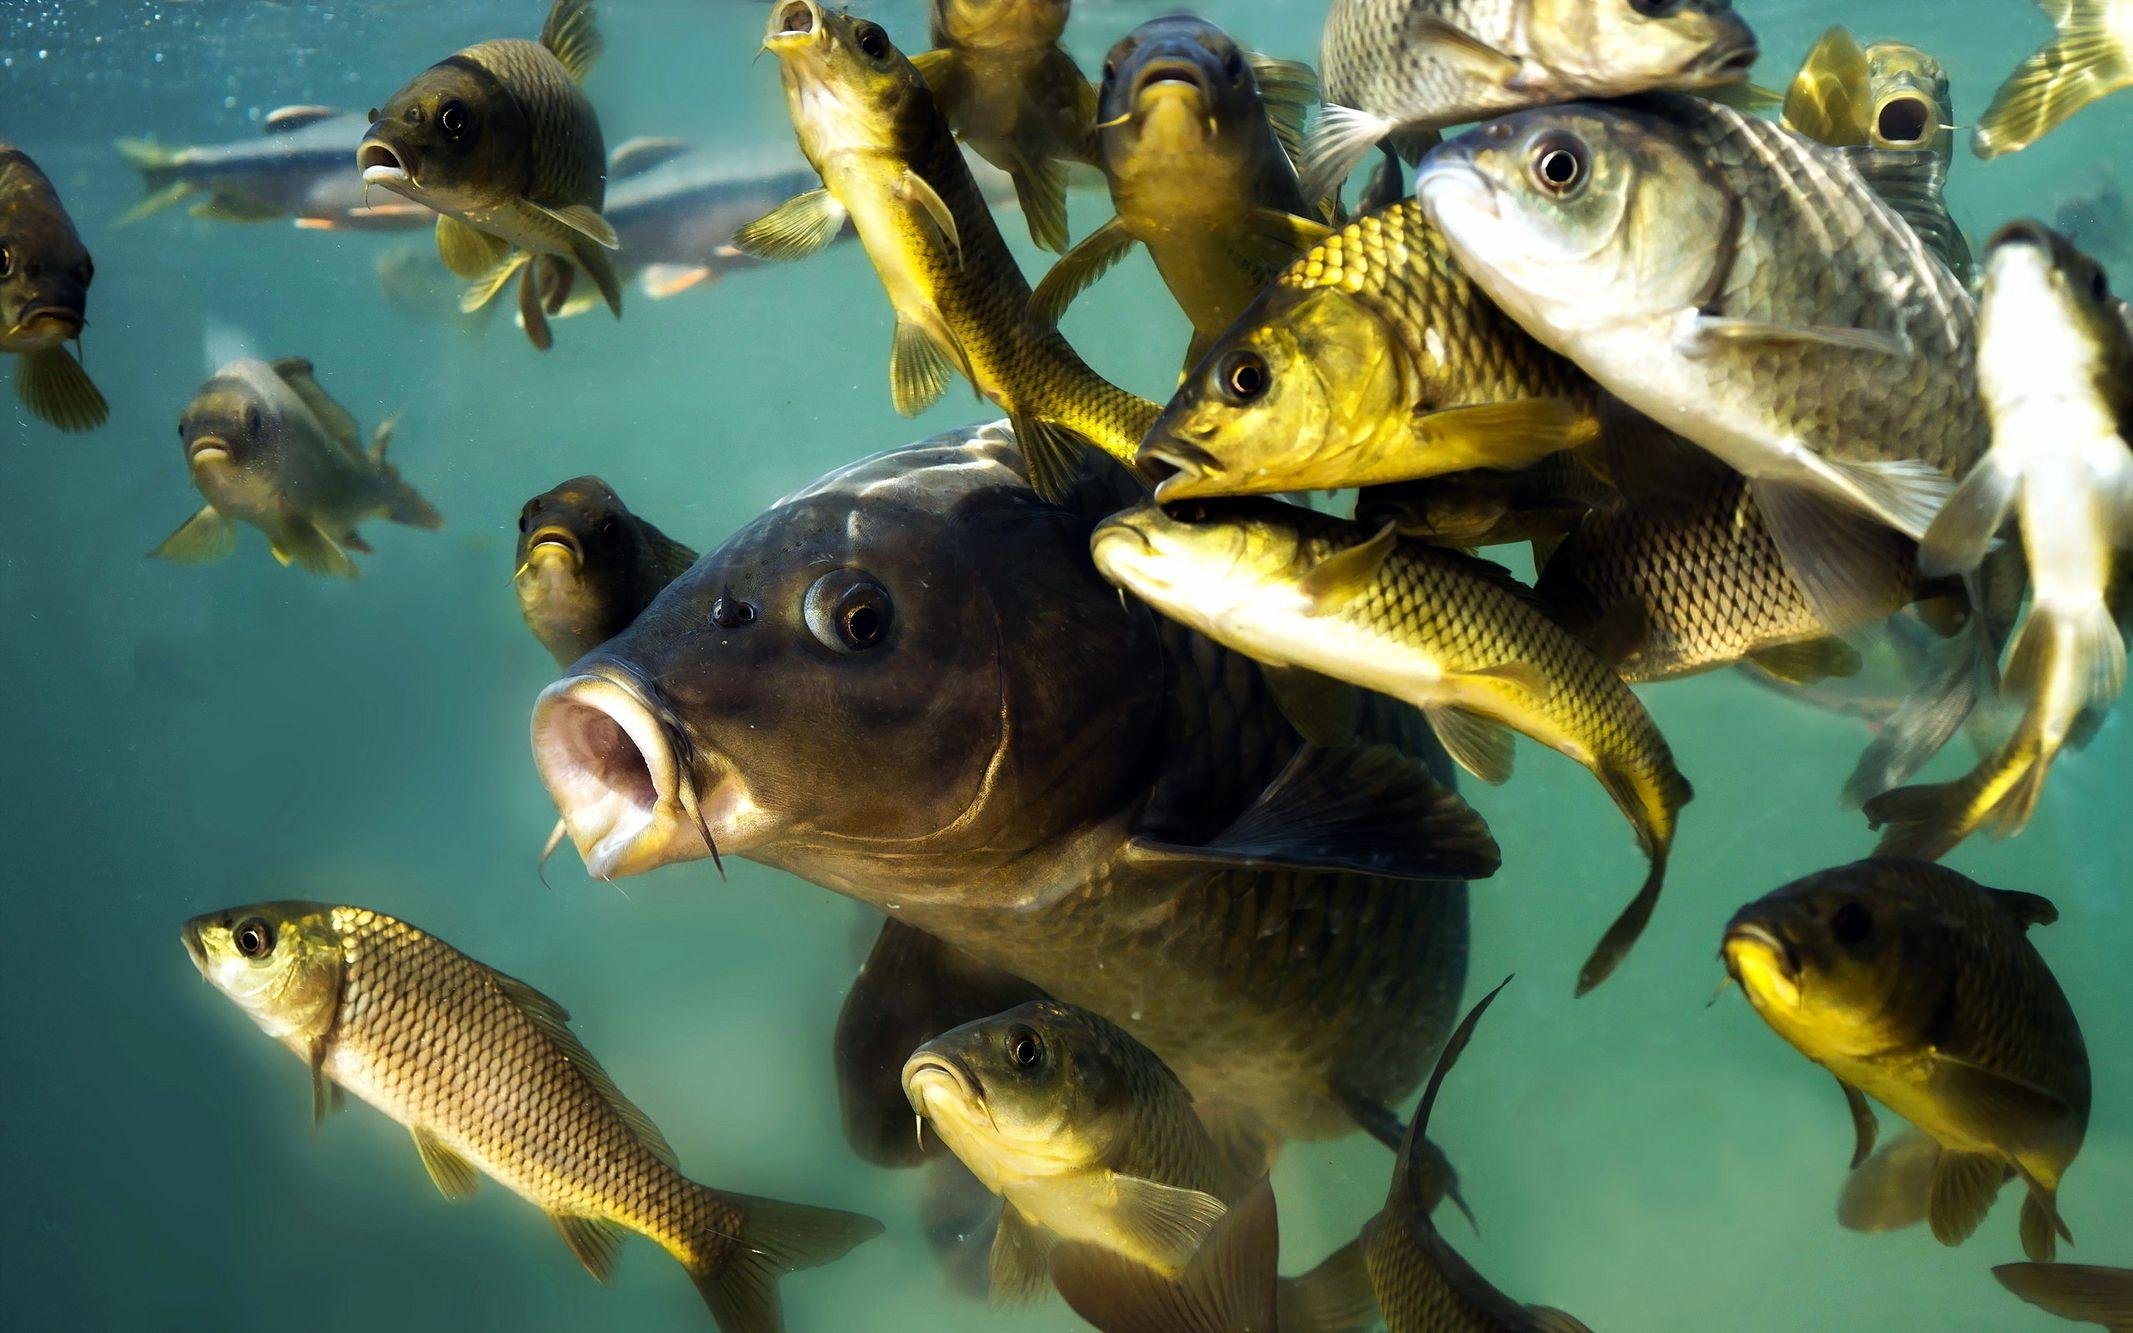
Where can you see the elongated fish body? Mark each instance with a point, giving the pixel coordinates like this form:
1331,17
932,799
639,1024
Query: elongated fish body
45,273
1032,772
2084,1293
486,1074
1796,326
586,566
1455,636
889,162
1920,988
1353,369
300,166
676,219
267,446
2091,57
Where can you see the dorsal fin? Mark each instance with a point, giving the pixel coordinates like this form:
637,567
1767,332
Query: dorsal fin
1413,1161
296,372
671,557
554,1022
573,36
641,154
284,118
2030,909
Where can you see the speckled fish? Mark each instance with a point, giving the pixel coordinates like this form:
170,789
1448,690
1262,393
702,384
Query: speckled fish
2083,1293
1192,140
587,566
267,446
1744,288
889,163
1422,1283
1013,94
45,273
1455,636
299,167
486,1074
2091,57
1406,65
942,710
1920,989
500,140
1371,359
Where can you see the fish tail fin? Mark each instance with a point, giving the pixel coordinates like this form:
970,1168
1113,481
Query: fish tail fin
56,389
403,503
2042,1227
2079,644
593,259
1927,821
1334,1297
2084,62
1651,800
2079,1292
738,1275
160,185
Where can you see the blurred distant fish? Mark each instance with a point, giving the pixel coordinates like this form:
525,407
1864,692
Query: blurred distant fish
2081,1292
301,167
2096,215
45,273
266,445
2092,56
587,566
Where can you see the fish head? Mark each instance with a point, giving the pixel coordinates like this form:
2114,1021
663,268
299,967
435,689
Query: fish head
849,88
454,138
2045,301
929,679
998,25
1909,91
1302,383
234,432
45,270
1178,90
583,566
280,962
1580,217
1610,48
1216,565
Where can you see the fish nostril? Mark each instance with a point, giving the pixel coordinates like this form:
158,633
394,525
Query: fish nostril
1903,120
798,17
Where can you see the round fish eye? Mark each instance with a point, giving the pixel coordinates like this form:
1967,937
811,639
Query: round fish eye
1025,1048
1242,376
849,611
610,529
1234,66
251,419
7,261
872,41
1559,164
1653,9
1110,69
525,517
253,937
453,120
1852,923
728,611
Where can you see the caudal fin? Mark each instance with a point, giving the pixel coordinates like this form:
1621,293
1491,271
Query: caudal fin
2085,61
1651,804
740,1280
404,504
160,185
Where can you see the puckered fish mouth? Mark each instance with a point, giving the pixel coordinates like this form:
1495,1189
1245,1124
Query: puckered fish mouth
793,23
929,1071
63,322
1765,965
554,541
1180,469
202,450
1173,74
1729,64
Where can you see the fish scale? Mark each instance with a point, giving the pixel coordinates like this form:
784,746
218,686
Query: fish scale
566,158
1366,59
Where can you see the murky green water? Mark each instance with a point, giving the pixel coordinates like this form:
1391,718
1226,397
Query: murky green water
178,739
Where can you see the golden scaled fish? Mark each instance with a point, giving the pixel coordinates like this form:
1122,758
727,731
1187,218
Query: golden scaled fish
1422,1284
45,273
1920,988
587,566
889,163
486,1074
1455,636
1371,359
2091,57
501,141
1013,94
2084,1293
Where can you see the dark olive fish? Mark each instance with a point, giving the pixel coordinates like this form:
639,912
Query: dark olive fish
45,273
587,566
1920,988
299,167
1491,506
2083,1293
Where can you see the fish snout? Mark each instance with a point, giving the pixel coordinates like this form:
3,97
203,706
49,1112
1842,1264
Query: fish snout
1906,118
792,23
554,543
383,162
204,450
1179,468
189,936
1172,75
1762,960
54,320
931,1074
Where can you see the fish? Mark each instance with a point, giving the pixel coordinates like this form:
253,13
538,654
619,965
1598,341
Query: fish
1920,988
1114,1190
266,445
1742,287
298,168
1371,359
586,566
888,162
1539,503
2055,363
943,711
1402,66
45,273
486,1074
1422,1284
2090,57
2097,217
500,139
2084,1293
1014,96
1453,635
1192,149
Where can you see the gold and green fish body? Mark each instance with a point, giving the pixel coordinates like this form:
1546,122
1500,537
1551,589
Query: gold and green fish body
45,273
586,566
1919,988
1454,636
1371,359
2090,57
486,1074
2084,1293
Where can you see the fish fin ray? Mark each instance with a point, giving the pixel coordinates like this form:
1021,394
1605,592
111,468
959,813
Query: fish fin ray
1226,1285
1052,454
1336,143
1964,530
203,539
1166,1225
1288,91
468,252
52,384
2077,67
1852,570
916,189
1825,101
918,370
739,1284
2083,1293
1021,1259
1323,710
1964,1186
601,270
1513,434
2042,1226
2082,642
572,34
794,229
1480,745
304,543
1091,257
1708,335
582,220
453,1175
1334,1297
1809,660
1040,188
1347,573
1890,1189
596,1242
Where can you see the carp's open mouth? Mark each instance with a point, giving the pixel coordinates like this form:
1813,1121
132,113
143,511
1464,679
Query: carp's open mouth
554,541
796,19
382,164
1175,466
1181,74
938,1084
1730,64
1905,120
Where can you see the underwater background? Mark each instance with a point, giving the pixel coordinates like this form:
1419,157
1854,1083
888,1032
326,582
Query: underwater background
181,739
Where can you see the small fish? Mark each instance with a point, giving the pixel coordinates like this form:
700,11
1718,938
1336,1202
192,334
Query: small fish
1455,636
1013,94
2055,362
486,1074
1920,989
45,274
1491,506
1192,139
267,446
586,566
1820,348
2091,57
300,167
1414,65
888,162
1371,359
2081,1292
502,142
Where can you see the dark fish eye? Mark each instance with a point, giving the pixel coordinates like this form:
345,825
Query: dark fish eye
1242,376
1025,1049
88,270
1110,70
872,40
1234,65
453,120
372,115
1559,164
251,419
1653,9
610,529
1187,511
728,611
2099,284
253,937
1852,923
848,611
7,261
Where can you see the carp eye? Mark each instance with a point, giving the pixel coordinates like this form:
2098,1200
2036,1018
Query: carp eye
872,41
1653,9
848,611
610,530
251,419
525,517
1187,511
253,937
728,611
1242,376
1559,164
1852,923
1234,66
2099,284
453,121
1025,1049
7,261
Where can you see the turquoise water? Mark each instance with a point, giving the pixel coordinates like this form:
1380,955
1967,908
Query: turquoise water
179,739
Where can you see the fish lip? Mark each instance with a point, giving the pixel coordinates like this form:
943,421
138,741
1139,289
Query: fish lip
793,23
1757,933
383,164
1192,468
1170,69
1118,528
2021,231
69,318
204,449
957,1071
189,936
1730,63
559,537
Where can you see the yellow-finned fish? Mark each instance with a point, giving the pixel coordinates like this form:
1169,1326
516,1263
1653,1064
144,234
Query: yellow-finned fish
503,143
45,273
1455,636
1013,94
2084,1293
587,566
486,1074
2091,57
889,162
1920,988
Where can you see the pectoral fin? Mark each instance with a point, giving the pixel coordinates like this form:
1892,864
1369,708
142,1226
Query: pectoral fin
453,1175
1713,335
1828,99
1808,661
1506,435
2012,1110
1161,1225
468,253
1480,745
914,188
57,390
597,1243
302,542
200,540
1092,257
1443,40
1226,1285
1040,188
583,219
1021,1259
794,229
2042,1227
918,370
1052,453
1288,89
1864,1126
1323,710
1347,574
1286,229
1964,530
1964,1186
1336,143
2087,60
1851,569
